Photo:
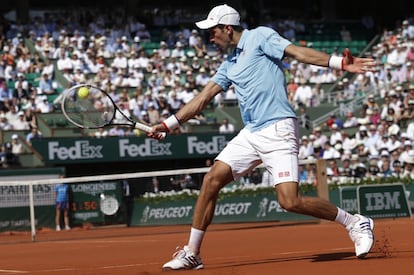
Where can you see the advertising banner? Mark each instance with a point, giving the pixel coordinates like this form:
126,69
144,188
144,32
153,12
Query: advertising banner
262,207
114,149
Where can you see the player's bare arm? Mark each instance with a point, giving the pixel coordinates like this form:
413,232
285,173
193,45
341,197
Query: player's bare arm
189,110
348,63
198,103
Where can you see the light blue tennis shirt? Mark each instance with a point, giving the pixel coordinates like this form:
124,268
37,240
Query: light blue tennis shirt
256,71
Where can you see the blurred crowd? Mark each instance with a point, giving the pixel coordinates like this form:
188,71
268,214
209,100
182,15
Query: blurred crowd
150,83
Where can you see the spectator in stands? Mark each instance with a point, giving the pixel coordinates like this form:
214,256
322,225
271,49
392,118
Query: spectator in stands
23,64
318,94
202,78
255,176
48,68
304,119
136,45
331,120
339,93
20,94
164,51
328,76
330,152
345,170
188,183
17,147
395,143
385,169
371,103
348,142
78,76
4,123
21,123
178,51
303,174
332,170
120,61
149,98
143,59
121,79
7,158
46,85
7,59
336,135
305,149
291,87
132,62
319,136
192,40
397,169
105,49
174,102
153,114
345,34
116,131
408,104
408,164
144,118
64,62
125,45
303,94
226,127
33,134
374,116
100,133
200,47
21,81
373,137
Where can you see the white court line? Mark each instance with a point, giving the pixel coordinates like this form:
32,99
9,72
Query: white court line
74,269
13,271
99,241
312,251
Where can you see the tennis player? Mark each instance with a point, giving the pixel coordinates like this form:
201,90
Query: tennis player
270,134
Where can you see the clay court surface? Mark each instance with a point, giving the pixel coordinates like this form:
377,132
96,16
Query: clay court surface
253,248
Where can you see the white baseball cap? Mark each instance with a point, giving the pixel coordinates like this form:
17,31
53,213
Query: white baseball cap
222,14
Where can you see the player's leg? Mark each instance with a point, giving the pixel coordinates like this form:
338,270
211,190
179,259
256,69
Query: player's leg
290,200
278,148
237,158
188,257
66,216
359,227
57,217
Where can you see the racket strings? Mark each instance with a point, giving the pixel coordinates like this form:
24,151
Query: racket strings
94,111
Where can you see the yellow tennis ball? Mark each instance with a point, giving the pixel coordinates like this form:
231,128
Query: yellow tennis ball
83,92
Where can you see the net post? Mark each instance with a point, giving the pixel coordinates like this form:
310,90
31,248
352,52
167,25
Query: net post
322,182
32,213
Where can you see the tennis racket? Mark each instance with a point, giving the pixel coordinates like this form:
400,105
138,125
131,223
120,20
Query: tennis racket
90,107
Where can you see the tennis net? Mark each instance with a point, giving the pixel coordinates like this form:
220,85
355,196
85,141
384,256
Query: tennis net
28,205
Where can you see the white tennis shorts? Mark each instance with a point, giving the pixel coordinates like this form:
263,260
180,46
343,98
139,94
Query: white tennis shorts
276,146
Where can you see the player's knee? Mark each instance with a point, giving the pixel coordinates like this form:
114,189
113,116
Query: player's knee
211,183
290,204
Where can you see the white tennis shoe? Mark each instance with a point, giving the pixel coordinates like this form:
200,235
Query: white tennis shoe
361,234
183,258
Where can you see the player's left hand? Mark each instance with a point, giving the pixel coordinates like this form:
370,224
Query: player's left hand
354,64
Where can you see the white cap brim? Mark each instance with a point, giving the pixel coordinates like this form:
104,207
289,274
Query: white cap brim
206,24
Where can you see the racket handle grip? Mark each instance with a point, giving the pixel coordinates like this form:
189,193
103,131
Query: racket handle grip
147,129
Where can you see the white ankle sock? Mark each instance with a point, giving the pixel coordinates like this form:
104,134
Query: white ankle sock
196,237
344,218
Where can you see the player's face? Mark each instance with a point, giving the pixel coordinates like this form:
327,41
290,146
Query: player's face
220,37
